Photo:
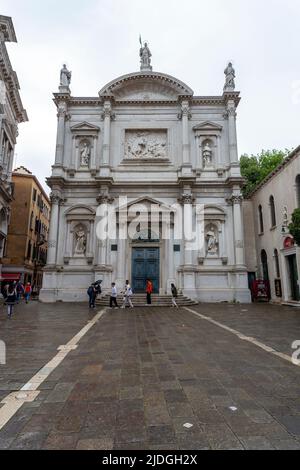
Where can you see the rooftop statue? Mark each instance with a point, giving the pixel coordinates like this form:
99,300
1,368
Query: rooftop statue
145,55
230,76
65,77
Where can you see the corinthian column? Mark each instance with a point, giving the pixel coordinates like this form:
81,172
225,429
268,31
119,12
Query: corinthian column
232,135
53,230
185,116
107,116
60,139
236,201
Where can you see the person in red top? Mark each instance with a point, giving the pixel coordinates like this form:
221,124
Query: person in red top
149,291
28,291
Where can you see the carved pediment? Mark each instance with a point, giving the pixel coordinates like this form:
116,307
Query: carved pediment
208,126
151,86
85,128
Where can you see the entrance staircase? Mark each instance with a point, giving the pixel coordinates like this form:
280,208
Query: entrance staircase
139,300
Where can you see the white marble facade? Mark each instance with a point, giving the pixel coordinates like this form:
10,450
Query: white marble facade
149,138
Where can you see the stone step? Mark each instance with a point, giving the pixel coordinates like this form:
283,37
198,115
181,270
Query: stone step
139,300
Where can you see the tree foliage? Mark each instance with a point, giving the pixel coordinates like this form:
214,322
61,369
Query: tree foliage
294,227
255,168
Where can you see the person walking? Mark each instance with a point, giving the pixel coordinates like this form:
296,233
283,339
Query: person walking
27,292
127,296
114,295
92,293
20,291
149,291
174,295
10,299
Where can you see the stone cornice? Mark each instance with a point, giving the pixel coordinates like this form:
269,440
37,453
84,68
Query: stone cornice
10,79
7,29
93,101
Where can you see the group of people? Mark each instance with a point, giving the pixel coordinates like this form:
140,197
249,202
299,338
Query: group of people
13,293
95,289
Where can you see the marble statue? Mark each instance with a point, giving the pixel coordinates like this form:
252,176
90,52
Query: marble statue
145,55
65,76
85,154
285,222
230,76
212,241
80,238
207,155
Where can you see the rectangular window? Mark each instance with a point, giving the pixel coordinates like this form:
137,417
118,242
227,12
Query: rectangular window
177,248
34,195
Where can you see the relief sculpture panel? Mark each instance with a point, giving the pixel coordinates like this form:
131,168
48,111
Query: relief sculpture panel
145,144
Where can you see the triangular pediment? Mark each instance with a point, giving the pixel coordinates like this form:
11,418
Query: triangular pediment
150,86
85,126
208,126
146,202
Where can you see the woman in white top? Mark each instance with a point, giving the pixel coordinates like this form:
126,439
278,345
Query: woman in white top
127,295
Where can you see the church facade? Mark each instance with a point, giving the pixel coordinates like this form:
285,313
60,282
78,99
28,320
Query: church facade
146,144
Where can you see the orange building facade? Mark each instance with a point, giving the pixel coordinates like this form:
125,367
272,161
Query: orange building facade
25,253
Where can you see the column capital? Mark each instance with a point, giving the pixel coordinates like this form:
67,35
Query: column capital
56,197
186,199
108,111
185,110
235,199
230,110
105,199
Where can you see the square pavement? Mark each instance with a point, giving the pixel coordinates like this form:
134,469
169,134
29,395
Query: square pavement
140,378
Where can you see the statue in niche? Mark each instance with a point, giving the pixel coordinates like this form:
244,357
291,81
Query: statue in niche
85,154
285,222
207,155
212,241
230,76
145,55
80,240
65,76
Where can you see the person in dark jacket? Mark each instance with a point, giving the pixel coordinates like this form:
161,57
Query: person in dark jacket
92,293
174,295
10,300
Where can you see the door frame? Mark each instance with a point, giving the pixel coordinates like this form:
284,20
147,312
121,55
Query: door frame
159,263
162,267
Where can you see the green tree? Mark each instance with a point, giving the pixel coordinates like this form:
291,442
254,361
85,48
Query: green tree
255,168
294,227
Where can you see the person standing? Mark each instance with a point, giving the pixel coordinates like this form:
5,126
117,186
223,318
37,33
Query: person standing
27,292
149,291
114,295
174,295
10,299
127,295
92,293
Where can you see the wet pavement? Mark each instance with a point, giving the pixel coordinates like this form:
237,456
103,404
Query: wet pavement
152,378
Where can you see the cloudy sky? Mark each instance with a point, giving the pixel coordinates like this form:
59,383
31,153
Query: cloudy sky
191,40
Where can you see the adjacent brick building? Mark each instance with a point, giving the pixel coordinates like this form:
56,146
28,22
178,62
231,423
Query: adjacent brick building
26,248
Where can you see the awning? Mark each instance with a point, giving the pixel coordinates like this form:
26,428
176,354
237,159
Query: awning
10,276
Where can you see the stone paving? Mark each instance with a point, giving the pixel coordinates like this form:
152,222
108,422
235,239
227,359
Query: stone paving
138,376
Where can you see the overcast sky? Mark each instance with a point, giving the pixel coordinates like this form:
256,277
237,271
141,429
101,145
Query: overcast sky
192,40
